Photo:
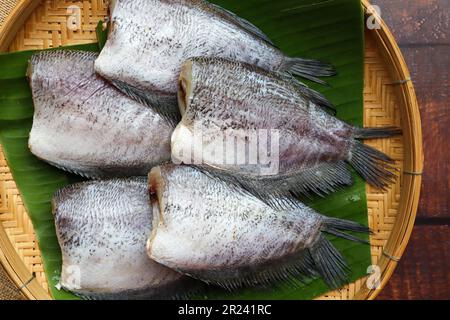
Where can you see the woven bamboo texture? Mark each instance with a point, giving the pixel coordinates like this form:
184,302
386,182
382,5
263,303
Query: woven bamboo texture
387,102
8,290
6,8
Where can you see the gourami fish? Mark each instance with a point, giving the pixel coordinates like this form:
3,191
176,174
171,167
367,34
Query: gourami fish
84,125
150,39
220,99
102,228
222,235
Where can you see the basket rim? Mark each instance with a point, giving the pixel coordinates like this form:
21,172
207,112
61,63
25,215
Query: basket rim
413,161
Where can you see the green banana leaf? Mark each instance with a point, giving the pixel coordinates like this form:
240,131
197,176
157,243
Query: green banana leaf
330,30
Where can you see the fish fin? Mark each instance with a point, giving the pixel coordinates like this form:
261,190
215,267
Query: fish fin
85,175
94,174
328,260
373,165
252,187
314,96
375,133
281,192
300,267
184,289
309,94
337,227
322,180
243,23
309,69
76,55
319,100
170,113
329,263
321,259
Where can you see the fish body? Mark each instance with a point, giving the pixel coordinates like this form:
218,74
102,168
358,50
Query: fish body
219,96
215,232
84,125
150,39
102,228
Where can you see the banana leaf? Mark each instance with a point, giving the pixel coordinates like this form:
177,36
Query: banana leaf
329,30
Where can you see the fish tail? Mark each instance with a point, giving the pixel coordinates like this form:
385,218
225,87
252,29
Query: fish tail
373,165
375,133
338,227
321,259
328,261
309,69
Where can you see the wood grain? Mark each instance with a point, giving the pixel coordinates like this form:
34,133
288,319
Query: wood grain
421,22
430,72
421,28
424,272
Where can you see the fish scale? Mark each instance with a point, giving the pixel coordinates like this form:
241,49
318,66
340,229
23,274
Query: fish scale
143,56
102,227
84,125
217,95
223,235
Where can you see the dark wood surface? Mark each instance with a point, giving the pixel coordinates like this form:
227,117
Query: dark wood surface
424,272
422,29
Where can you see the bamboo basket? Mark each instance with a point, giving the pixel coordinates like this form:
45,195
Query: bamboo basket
389,99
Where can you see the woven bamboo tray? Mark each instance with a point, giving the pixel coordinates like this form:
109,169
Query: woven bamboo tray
389,99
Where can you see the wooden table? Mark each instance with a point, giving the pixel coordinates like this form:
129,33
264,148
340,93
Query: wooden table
422,30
